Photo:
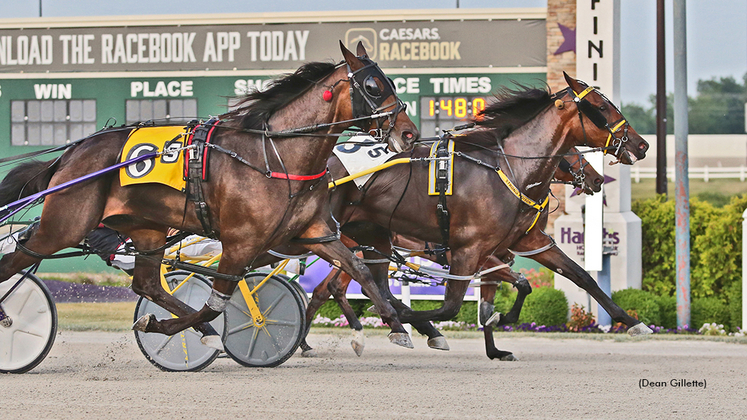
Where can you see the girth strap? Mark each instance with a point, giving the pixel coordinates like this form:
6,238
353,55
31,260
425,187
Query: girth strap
318,240
197,165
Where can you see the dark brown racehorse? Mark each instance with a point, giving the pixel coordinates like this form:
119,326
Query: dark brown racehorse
526,133
573,170
248,211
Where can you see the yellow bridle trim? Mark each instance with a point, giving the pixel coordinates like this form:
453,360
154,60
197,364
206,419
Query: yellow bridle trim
584,93
613,130
524,199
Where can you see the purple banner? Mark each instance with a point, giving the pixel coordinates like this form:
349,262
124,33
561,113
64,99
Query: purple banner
320,269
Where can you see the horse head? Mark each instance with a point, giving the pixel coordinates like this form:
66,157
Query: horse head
608,128
372,94
578,172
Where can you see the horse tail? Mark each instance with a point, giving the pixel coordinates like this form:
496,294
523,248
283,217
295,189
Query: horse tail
26,179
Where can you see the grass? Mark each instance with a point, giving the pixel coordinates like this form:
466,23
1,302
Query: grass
98,279
716,191
114,316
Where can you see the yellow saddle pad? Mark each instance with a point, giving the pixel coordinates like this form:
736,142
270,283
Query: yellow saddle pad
167,169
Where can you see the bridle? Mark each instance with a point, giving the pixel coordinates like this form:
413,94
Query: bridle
579,177
367,98
595,116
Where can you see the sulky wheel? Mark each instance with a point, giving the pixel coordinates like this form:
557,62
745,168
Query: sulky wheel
276,339
183,351
299,289
29,327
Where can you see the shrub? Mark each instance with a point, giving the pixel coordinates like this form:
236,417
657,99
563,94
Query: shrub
505,297
426,305
708,310
329,309
667,311
543,277
658,248
545,306
719,258
642,302
715,258
468,313
734,304
579,318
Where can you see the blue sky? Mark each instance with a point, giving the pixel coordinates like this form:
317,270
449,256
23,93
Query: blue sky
717,29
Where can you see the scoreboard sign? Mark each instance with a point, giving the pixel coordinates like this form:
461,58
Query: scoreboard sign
64,78
480,40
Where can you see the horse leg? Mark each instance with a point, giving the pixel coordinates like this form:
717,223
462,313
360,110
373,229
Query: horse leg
488,295
436,340
522,286
557,261
341,257
146,282
320,295
464,261
233,262
65,221
337,286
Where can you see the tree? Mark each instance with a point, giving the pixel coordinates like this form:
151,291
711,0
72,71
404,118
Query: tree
718,108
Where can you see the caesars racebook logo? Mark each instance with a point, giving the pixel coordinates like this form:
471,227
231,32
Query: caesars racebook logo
365,35
404,44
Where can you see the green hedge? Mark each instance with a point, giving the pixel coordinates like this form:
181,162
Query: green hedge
644,303
715,253
544,306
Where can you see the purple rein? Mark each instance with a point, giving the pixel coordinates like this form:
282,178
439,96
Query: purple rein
18,205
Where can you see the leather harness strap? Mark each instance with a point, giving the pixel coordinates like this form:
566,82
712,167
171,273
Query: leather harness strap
197,172
442,185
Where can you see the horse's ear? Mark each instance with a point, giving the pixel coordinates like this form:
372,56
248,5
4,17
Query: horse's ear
573,83
351,59
361,50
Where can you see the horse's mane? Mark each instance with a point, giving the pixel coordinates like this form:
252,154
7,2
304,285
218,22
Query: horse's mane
511,109
255,108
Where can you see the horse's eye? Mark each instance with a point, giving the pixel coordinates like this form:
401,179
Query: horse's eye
603,108
371,87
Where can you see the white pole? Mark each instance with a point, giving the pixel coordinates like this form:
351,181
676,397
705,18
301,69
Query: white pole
594,219
406,300
744,271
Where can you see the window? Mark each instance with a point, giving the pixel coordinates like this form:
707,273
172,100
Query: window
51,122
160,110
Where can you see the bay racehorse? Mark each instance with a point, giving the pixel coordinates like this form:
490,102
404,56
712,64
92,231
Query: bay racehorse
573,170
503,174
267,186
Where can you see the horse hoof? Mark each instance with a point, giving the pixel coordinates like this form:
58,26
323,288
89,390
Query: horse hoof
142,323
639,329
212,341
401,339
494,319
438,343
309,353
372,309
358,342
509,358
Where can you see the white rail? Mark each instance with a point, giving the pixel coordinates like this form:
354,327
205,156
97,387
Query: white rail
705,173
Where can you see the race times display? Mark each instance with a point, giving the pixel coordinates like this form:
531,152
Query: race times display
445,112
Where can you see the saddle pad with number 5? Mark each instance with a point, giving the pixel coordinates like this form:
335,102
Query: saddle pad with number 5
361,152
167,169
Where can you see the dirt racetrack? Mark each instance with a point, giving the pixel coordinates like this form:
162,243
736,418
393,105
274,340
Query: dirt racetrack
96,375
